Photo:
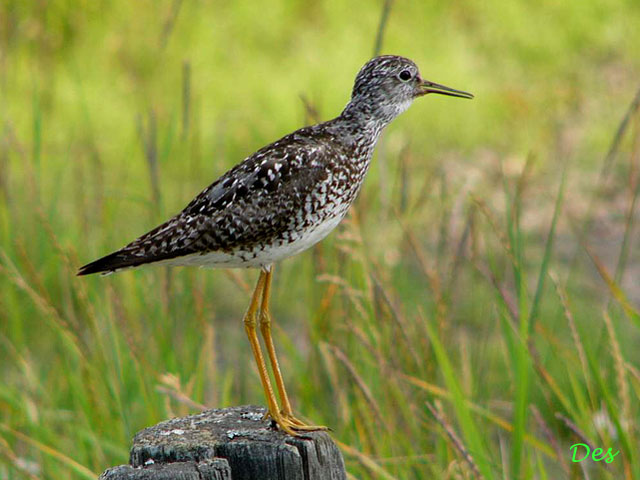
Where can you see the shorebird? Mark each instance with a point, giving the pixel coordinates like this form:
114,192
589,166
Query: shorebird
279,201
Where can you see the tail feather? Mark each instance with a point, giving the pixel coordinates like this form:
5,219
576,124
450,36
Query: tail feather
152,247
111,263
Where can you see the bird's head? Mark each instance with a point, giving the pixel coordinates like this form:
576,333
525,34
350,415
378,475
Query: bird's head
387,85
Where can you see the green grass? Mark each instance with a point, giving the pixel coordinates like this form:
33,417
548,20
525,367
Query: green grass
475,315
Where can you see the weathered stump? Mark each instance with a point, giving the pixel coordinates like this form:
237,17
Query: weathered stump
228,444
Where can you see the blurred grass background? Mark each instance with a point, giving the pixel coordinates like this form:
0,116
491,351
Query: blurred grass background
475,315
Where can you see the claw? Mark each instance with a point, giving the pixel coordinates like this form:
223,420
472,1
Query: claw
292,425
298,424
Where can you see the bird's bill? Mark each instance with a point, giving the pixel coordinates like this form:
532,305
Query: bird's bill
430,87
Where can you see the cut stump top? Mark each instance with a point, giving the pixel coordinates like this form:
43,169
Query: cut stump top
250,446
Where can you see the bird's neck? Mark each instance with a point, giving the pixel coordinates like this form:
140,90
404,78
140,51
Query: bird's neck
367,115
360,126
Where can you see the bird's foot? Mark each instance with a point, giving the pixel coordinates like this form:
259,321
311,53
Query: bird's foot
299,425
288,423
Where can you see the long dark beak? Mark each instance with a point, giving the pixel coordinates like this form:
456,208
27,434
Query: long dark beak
430,87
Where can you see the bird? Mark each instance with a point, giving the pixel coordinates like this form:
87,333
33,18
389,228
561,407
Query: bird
280,201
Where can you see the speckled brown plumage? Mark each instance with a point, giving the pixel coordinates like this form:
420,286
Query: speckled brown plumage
288,195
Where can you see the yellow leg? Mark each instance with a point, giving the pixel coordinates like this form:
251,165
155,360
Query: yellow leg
265,329
250,328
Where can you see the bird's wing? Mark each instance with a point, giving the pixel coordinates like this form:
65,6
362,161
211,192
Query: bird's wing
251,203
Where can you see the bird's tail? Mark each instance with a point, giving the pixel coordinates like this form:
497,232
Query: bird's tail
160,244
112,263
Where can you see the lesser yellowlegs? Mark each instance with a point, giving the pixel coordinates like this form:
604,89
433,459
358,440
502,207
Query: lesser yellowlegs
280,201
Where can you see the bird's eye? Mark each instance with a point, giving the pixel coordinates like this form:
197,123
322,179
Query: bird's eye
405,75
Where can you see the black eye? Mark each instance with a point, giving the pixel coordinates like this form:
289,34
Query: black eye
405,75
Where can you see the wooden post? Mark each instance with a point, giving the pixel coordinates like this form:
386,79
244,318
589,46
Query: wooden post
228,444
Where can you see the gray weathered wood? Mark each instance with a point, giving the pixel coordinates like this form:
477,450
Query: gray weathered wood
229,444
217,469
